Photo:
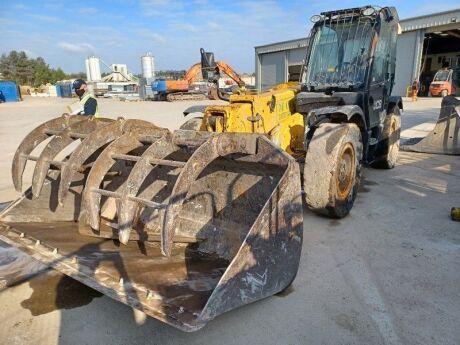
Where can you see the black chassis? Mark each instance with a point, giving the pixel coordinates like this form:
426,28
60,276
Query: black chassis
366,104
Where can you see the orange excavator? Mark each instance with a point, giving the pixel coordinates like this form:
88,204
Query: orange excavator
182,89
190,88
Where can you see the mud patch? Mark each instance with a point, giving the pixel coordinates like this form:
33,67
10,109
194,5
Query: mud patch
53,291
346,321
334,139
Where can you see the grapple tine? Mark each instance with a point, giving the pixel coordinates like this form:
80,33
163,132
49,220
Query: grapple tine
56,145
96,140
217,146
127,207
33,139
92,200
87,147
123,145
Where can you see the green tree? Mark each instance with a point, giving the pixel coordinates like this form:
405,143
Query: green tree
18,67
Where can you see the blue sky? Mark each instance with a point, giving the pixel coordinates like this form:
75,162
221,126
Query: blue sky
120,31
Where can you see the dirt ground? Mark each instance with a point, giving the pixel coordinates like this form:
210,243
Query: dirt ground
386,274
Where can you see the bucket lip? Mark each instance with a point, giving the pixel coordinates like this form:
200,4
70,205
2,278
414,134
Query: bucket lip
65,265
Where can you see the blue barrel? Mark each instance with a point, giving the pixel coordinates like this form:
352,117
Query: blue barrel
9,91
159,85
66,89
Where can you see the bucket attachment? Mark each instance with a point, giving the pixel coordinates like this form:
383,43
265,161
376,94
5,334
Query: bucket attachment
445,137
183,226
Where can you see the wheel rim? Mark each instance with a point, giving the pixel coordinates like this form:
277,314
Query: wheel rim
394,146
346,170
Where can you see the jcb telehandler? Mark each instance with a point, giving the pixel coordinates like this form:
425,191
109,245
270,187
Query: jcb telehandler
188,225
341,115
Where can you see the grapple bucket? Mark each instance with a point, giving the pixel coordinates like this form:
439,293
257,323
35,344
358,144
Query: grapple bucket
183,226
445,137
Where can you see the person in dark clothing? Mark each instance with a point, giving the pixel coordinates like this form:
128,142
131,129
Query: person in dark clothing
87,100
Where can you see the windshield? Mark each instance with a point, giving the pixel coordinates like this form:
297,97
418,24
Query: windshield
339,55
441,76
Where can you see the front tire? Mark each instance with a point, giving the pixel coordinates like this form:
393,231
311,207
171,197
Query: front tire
387,151
332,170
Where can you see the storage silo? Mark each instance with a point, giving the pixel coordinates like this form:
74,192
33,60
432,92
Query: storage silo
94,68
88,72
148,66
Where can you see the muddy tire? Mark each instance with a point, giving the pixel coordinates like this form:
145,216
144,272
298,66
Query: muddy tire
332,170
387,151
193,124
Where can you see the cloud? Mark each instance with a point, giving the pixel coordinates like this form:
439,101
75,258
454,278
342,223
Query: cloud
88,10
162,8
77,47
45,18
156,37
20,7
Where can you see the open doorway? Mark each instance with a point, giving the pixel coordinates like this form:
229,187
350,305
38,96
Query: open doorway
441,51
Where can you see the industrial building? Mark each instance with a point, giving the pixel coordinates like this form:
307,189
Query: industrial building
425,45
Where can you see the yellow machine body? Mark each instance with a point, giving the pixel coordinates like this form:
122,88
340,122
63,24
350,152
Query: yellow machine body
271,112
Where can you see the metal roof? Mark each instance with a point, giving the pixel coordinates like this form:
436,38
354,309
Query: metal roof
281,46
431,20
408,24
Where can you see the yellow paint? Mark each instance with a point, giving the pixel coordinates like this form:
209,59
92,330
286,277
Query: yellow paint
270,112
289,134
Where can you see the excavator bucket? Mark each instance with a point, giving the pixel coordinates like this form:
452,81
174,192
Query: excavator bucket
183,226
445,137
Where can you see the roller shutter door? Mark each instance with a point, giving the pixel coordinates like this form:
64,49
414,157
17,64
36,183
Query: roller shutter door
273,69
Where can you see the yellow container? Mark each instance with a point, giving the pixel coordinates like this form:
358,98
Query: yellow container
455,213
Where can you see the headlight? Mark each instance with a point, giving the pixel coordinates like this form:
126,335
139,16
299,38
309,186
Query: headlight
369,11
316,18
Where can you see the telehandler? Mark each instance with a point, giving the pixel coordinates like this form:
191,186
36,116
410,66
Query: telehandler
190,224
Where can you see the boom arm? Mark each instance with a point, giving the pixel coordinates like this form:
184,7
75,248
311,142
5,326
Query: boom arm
228,70
193,73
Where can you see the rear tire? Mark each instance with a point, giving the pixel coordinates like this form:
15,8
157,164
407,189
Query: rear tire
387,151
193,124
332,170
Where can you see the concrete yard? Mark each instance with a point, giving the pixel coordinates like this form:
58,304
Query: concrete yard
389,273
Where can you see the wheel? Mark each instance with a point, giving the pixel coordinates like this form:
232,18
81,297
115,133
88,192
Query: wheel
332,169
387,150
444,93
193,124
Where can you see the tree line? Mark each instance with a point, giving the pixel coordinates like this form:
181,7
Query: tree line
17,66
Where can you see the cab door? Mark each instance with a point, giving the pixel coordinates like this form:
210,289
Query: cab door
380,77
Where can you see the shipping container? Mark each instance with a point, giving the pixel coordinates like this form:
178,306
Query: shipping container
9,91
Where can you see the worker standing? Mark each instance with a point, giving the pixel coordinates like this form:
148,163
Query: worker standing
87,100
415,89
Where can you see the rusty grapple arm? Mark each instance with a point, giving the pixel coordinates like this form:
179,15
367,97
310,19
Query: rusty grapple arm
208,222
